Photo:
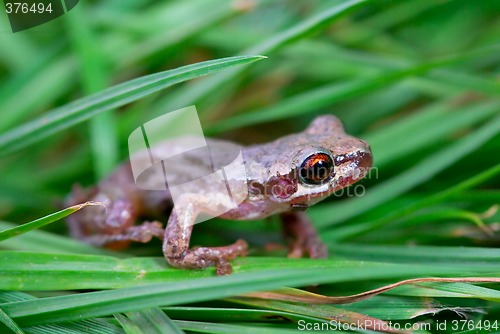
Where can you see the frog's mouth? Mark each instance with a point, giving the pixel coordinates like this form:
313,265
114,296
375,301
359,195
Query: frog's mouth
351,168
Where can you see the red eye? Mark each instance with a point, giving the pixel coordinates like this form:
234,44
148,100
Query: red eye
316,168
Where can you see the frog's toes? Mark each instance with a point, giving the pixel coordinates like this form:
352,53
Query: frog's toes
239,248
223,267
296,250
314,247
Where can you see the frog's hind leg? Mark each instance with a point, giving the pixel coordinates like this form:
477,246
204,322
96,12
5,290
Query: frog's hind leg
114,228
303,235
176,245
138,233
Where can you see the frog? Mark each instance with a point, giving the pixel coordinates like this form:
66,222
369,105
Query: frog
282,177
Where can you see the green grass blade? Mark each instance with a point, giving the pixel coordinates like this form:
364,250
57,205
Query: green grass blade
149,321
467,257
77,327
398,308
326,312
14,296
9,323
116,96
42,241
227,314
21,229
222,328
452,290
95,304
93,326
45,271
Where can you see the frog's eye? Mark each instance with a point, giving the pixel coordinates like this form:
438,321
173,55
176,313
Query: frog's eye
316,168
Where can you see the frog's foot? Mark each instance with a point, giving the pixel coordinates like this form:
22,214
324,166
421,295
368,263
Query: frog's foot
202,257
297,227
139,233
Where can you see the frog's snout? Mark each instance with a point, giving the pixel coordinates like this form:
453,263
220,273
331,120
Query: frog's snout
359,154
364,159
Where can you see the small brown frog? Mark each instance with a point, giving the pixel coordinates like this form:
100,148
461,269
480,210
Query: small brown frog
284,177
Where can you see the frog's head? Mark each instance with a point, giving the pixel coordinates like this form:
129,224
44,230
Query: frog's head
323,160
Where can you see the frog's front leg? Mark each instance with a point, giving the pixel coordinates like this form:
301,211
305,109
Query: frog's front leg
303,235
178,233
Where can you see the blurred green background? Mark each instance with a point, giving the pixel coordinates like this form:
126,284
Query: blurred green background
417,79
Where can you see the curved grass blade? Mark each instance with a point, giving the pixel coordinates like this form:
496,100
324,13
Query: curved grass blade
326,312
406,308
113,97
300,296
21,229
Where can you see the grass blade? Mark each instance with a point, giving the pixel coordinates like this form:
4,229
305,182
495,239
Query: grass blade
149,321
43,241
116,96
326,312
9,323
22,270
21,229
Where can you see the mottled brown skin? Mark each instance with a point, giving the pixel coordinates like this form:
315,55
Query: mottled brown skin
284,177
